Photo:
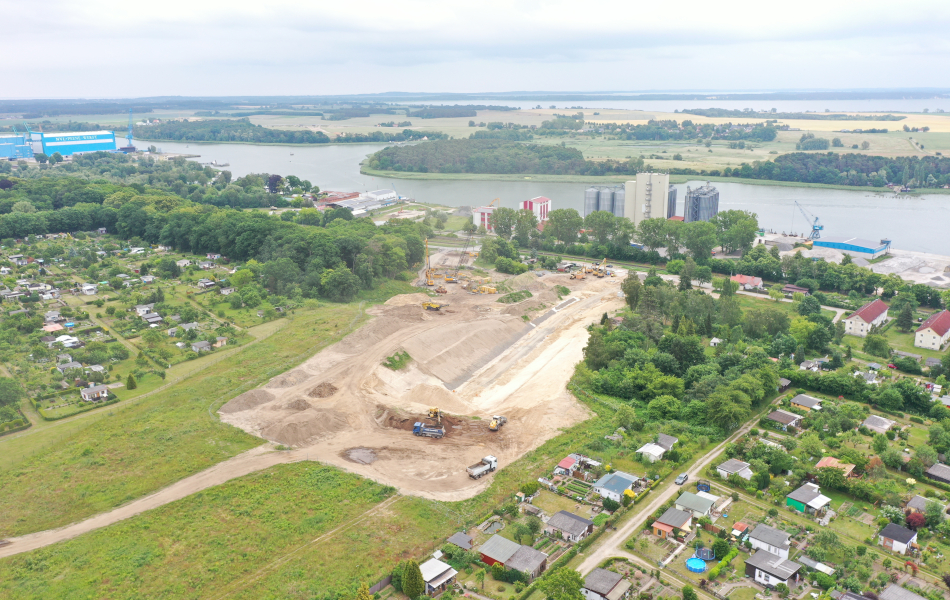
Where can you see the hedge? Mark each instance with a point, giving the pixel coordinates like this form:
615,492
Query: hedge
94,407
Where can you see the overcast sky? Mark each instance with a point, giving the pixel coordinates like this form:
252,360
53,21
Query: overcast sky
123,48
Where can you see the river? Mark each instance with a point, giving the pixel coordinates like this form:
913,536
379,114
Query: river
916,223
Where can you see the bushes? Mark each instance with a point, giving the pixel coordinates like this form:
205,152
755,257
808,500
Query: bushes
511,267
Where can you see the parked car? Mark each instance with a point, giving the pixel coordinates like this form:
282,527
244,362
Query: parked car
682,479
891,366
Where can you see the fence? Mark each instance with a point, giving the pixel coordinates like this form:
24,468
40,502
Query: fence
383,583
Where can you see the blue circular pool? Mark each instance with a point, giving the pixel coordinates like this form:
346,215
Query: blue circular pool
696,565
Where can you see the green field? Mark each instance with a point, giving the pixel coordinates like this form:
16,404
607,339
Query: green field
126,451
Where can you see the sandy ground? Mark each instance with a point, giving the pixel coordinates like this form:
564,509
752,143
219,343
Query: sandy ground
473,359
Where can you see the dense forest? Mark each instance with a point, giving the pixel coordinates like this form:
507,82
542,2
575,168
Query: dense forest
850,169
721,113
242,130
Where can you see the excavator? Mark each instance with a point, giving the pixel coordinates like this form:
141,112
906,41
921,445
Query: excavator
601,269
436,413
496,422
429,280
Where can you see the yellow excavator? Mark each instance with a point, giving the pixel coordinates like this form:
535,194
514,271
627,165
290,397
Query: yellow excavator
436,413
601,269
429,280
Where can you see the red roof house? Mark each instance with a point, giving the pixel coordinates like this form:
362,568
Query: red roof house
861,321
747,282
934,332
566,466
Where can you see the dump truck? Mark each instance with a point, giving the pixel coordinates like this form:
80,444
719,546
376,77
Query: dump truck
487,465
496,422
423,429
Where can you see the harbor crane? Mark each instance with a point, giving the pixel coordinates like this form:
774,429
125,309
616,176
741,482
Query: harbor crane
128,138
816,227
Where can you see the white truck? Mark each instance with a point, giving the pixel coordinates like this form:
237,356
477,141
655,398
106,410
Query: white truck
487,465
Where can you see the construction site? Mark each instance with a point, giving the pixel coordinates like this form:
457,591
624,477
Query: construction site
431,384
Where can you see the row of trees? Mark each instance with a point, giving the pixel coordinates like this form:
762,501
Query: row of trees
242,130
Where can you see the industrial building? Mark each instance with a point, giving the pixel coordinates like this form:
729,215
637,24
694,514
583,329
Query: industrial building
702,204
855,246
649,196
540,206
71,143
13,147
609,199
481,217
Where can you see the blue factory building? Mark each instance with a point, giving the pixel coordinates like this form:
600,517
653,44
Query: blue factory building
74,142
14,147
853,245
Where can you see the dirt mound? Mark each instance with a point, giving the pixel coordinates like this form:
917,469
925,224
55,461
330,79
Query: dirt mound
247,401
324,390
305,427
407,299
299,404
290,379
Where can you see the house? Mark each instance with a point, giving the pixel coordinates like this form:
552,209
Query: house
462,540
794,289
774,541
212,256
201,346
226,291
53,316
437,575
806,403
869,377
784,419
878,424
896,538
873,366
833,463
205,265
601,584
934,332
220,342
5,270
96,392
783,384
101,231
144,309
932,362
939,472
770,569
96,368
748,282
90,289
497,550
146,279
567,466
529,561
666,441
205,284
870,315
652,452
918,504
700,506
571,527
670,520
715,342
189,326
809,365
896,592
808,499
735,467
183,263
613,485
68,366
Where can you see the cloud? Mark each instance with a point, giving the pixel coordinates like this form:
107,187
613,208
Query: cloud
113,47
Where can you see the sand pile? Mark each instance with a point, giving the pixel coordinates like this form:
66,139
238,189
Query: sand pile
289,379
298,404
305,427
324,390
247,401
407,299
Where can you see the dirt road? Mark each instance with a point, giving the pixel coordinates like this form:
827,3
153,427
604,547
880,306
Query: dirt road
248,462
613,545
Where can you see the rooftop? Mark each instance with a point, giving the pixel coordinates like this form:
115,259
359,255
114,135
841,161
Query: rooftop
939,322
895,532
806,401
462,540
896,592
870,311
569,522
666,441
771,536
602,581
939,470
499,548
810,494
694,502
526,559
784,417
773,564
435,572
674,517
733,465
876,421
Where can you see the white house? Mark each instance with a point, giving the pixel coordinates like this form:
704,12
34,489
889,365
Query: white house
437,576
860,322
90,289
694,503
934,332
770,569
602,584
771,540
652,452
735,467
896,538
96,392
613,485
144,309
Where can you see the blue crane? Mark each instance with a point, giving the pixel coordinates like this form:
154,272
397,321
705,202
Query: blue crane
816,227
129,136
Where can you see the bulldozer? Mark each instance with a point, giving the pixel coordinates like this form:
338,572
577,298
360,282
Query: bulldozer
436,413
496,422
429,305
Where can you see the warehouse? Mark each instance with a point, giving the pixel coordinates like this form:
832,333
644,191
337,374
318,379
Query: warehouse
71,143
13,147
855,246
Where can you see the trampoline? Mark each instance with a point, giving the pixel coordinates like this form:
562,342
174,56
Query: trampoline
70,324
695,565
705,554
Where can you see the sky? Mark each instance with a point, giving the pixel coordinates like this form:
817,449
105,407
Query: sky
122,48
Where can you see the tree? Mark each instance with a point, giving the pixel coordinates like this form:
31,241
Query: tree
130,382
55,158
700,239
720,548
689,593
480,578
412,583
879,443
776,293
727,408
10,392
564,223
362,593
503,221
631,289
916,520
41,158
153,337
563,584
610,505
809,306
664,407
876,345
905,318
831,477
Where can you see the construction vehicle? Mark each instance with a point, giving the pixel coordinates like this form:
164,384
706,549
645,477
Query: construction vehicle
424,430
578,275
430,305
485,289
496,422
436,413
429,280
441,290
454,277
483,467
601,269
